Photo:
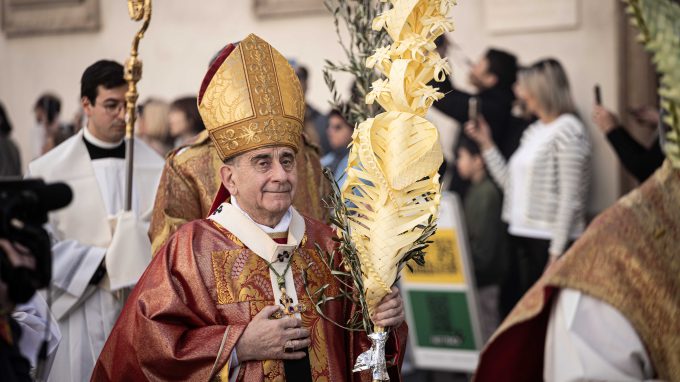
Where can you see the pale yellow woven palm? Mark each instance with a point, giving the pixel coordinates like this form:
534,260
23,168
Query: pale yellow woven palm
392,183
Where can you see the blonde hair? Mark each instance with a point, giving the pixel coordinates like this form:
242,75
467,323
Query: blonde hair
156,124
547,81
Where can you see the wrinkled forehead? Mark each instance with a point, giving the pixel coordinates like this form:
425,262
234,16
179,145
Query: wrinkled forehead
267,152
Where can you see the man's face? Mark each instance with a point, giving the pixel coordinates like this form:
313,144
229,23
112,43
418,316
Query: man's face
106,117
263,182
480,76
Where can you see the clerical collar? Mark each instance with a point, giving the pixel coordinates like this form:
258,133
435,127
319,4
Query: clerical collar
99,149
281,227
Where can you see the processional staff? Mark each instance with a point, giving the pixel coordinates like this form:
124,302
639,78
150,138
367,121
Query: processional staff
138,10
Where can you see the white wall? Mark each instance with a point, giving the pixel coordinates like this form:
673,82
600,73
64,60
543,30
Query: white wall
184,35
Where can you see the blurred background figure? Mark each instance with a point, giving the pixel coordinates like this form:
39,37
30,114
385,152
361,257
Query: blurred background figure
339,134
153,125
640,161
485,230
77,122
493,76
46,112
315,122
545,182
184,120
10,160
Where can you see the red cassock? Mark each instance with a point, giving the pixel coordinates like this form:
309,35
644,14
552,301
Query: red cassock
204,283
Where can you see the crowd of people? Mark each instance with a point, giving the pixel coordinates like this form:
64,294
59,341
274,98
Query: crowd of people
522,168
523,171
163,126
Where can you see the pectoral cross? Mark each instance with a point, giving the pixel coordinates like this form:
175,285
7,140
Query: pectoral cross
286,302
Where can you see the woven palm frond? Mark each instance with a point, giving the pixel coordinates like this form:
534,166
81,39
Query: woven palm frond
392,183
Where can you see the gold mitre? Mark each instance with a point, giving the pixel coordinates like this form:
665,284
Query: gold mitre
251,98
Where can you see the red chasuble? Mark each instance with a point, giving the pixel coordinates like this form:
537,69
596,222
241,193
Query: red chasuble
189,309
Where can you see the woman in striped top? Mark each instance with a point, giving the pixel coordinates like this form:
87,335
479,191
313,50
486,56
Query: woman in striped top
545,182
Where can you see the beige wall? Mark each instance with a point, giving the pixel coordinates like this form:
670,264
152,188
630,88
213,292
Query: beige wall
184,35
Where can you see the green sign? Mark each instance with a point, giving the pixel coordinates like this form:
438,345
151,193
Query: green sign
440,298
442,319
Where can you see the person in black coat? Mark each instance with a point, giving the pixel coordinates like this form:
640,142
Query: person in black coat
640,161
493,76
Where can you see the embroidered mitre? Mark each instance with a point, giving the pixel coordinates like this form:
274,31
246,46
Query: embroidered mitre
251,98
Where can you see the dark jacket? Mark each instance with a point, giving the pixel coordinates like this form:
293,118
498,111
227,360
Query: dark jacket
13,366
10,160
495,106
486,233
640,161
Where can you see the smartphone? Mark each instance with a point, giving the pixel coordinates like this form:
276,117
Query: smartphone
598,95
473,109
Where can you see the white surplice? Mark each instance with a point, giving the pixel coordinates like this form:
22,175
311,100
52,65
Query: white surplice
82,234
589,340
33,317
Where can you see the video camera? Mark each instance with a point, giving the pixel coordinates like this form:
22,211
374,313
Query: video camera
24,205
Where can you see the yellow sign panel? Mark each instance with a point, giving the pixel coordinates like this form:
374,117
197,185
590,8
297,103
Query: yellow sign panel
443,263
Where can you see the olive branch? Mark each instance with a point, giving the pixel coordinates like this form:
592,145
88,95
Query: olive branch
357,18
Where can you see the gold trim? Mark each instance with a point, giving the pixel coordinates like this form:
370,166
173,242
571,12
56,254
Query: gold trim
252,133
278,235
227,367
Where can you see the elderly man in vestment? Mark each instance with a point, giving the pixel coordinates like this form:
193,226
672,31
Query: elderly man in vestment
191,179
98,251
226,297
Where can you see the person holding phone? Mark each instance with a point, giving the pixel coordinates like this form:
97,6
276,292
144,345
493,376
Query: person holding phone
492,76
546,180
638,160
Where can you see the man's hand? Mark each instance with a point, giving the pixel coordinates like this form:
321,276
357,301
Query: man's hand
390,311
266,338
604,119
647,116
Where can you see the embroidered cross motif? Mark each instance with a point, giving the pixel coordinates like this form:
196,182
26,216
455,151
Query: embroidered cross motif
283,255
288,309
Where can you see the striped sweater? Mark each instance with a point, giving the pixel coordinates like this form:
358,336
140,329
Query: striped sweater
546,181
